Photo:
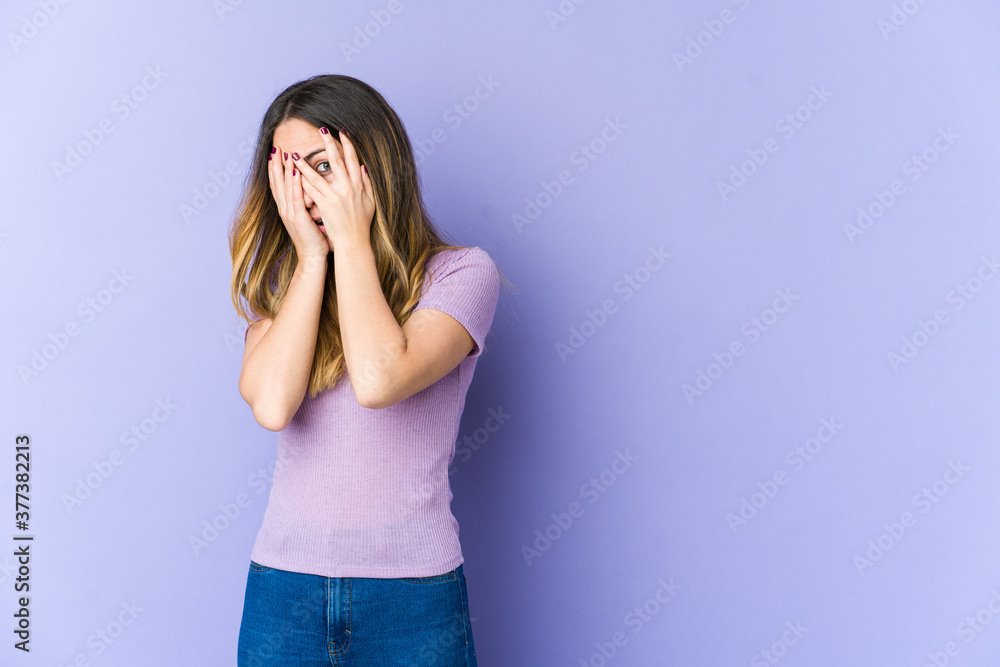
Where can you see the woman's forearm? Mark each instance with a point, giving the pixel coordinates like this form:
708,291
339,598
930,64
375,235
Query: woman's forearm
373,341
276,375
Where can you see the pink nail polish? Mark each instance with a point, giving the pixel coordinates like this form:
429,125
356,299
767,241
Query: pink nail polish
324,130
286,156
294,172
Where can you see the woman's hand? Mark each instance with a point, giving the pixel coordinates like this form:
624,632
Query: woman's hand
286,187
347,204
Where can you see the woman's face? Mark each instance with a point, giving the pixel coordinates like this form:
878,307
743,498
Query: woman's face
298,136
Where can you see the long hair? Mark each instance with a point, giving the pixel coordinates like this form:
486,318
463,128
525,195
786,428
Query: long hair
403,237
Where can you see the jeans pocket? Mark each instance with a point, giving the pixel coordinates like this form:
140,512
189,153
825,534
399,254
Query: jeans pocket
433,579
257,567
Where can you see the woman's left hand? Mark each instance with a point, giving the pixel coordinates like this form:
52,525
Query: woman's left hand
347,204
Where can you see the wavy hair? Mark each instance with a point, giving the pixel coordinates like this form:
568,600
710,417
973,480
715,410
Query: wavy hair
403,237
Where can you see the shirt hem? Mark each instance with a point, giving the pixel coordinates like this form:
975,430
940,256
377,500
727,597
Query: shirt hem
326,570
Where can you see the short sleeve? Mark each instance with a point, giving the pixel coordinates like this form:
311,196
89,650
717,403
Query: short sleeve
465,284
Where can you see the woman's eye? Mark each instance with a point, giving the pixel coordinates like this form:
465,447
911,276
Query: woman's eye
324,162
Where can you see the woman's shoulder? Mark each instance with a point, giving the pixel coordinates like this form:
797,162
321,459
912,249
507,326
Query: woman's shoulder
463,254
461,269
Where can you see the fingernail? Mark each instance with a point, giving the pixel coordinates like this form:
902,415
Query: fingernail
269,158
324,130
274,149
344,130
295,156
294,172
286,156
364,169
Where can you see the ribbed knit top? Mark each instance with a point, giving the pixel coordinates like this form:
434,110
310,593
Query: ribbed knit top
362,492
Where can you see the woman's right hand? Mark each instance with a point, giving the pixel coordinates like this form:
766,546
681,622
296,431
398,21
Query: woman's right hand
286,188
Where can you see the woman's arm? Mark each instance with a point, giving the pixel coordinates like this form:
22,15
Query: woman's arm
388,363
373,340
278,356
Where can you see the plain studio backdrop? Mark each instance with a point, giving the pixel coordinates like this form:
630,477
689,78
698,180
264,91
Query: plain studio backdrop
741,409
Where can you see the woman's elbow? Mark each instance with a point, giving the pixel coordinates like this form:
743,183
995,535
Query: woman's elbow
272,420
372,399
270,417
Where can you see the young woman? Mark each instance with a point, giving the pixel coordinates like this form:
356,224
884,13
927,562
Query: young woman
366,329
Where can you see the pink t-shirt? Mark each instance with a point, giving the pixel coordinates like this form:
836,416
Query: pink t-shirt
361,492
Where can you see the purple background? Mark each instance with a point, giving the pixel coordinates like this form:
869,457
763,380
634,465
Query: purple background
152,199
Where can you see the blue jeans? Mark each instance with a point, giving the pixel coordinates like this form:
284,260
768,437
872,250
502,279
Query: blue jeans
292,618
